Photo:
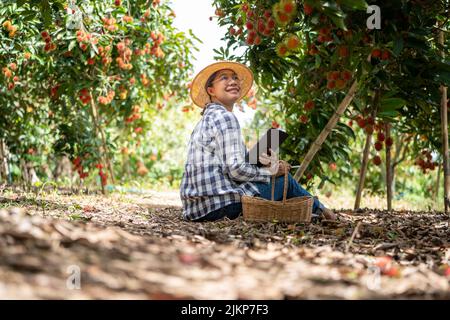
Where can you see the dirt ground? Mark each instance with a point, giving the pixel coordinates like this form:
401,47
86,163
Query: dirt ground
138,247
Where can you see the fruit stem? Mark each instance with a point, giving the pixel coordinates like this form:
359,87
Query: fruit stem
444,125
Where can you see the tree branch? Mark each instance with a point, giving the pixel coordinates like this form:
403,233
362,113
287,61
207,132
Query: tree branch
402,158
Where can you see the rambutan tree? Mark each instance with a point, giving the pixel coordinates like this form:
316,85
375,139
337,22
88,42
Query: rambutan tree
311,56
89,67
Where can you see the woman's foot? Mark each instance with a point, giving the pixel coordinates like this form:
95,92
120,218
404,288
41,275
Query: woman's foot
328,214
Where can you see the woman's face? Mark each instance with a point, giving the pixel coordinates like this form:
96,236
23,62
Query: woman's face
226,88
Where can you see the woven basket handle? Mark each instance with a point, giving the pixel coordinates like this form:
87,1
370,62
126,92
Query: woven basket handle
273,187
285,187
286,178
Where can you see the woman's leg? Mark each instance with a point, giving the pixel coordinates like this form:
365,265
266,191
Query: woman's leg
231,211
294,190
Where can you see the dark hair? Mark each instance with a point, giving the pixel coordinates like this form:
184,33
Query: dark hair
208,84
210,81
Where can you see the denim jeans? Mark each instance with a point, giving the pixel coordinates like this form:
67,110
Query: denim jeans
232,211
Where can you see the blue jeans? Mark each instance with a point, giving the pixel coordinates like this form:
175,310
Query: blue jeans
232,211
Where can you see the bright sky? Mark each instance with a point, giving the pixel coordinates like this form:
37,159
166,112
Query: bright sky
194,15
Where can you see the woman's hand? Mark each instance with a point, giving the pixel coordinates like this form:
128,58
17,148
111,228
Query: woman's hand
283,168
270,162
276,167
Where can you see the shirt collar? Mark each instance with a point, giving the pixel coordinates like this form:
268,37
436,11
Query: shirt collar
215,105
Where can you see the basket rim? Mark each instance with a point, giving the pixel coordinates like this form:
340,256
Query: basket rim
259,198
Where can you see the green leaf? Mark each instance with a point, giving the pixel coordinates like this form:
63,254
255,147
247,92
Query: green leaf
414,41
318,61
29,16
391,104
340,153
388,114
338,21
46,13
21,2
398,45
443,77
355,4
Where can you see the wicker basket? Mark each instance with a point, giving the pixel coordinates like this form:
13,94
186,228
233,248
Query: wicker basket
297,209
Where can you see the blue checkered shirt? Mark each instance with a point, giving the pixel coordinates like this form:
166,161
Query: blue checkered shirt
216,173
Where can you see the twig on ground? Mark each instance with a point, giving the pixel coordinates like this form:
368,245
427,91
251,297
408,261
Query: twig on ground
347,247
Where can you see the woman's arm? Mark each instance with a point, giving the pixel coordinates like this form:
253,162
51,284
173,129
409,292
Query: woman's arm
231,151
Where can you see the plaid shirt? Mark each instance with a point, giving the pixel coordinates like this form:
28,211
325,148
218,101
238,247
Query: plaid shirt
216,173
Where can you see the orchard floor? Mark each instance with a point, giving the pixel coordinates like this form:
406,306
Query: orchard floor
138,247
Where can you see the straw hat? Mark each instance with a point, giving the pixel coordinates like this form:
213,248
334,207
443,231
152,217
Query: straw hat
198,91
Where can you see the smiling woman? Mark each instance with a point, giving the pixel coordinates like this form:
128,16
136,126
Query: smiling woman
215,82
224,87
216,173
203,23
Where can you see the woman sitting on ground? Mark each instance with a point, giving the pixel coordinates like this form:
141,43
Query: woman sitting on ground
216,173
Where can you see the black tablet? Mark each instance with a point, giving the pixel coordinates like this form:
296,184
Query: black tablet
272,139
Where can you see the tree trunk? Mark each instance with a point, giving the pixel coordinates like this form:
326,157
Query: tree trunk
25,176
393,181
446,167
45,167
399,155
438,182
63,168
362,173
383,174
444,125
3,162
107,159
388,169
104,152
126,165
34,179
365,159
326,131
